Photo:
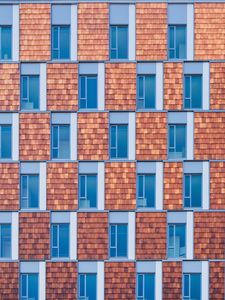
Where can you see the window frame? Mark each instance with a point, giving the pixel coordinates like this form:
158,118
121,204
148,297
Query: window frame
144,98
175,38
27,99
85,285
110,41
174,125
143,286
190,91
86,189
174,242
27,286
116,142
137,194
11,46
11,141
59,26
58,244
190,193
116,240
189,285
10,254
58,141
86,76
27,191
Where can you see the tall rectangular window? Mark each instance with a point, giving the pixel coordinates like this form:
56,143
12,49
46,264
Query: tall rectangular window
176,240
30,92
88,91
88,191
177,41
146,286
192,190
87,286
177,141
5,141
60,240
191,286
146,91
29,191
146,190
60,42
5,240
118,141
118,240
29,286
193,91
118,41
5,42
61,141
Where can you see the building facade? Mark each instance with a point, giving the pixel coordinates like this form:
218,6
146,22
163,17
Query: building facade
112,150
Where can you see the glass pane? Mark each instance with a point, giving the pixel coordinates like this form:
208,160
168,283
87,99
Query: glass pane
150,190
171,42
113,236
24,90
64,144
196,286
140,87
24,195
122,141
5,240
187,191
55,42
23,285
180,41
91,286
140,285
6,141
196,91
113,37
64,42
92,190
34,92
55,236
122,42
181,140
180,240
149,287
112,141
186,285
140,186
149,91
55,141
6,42
83,90
82,285
171,140
82,187
171,236
33,191
33,286
63,240
92,92
122,240
187,103
196,190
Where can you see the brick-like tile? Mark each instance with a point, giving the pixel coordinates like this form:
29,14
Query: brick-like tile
9,280
172,280
216,280
217,185
217,85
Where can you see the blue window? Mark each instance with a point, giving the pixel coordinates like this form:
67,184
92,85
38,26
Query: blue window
61,141
177,141
88,191
118,42
177,42
192,190
176,240
60,42
192,286
87,286
29,191
29,286
193,91
5,141
146,190
146,286
119,141
29,92
118,240
5,240
60,240
5,42
146,91
88,91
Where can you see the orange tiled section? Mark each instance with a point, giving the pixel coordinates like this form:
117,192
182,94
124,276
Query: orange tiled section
35,31
120,185
61,280
209,138
62,186
217,85
217,185
150,235
9,186
120,280
62,84
209,235
120,86
151,31
34,136
93,31
209,31
173,185
151,135
172,280
34,241
93,131
9,87
173,86
92,236
217,279
9,284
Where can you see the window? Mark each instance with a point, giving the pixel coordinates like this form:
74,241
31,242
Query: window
60,42
177,41
87,287
5,42
60,240
88,91
146,91
5,141
118,42
177,141
61,141
146,286
29,286
5,240
146,190
88,191
176,240
118,240
193,91
118,141
192,286
30,92
192,190
29,191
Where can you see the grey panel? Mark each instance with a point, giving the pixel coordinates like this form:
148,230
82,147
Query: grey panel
30,168
61,14
145,267
193,167
176,217
146,167
177,14
29,267
118,217
192,266
5,118
60,217
6,15
177,118
30,69
87,267
146,68
119,118
88,168
5,217
88,68
193,68
119,14
61,118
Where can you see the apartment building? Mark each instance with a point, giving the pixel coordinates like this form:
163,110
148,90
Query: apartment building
112,150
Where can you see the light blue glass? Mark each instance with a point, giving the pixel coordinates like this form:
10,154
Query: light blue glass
92,190
33,191
113,130
24,87
6,141
91,290
150,91
122,144
63,240
187,195
150,190
187,84
196,286
5,234
171,42
55,141
122,42
181,41
92,92
196,190
180,240
82,186
64,142
171,235
64,42
6,42
34,91
113,42
196,91
140,186
181,140
171,138
122,240
33,286
140,87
